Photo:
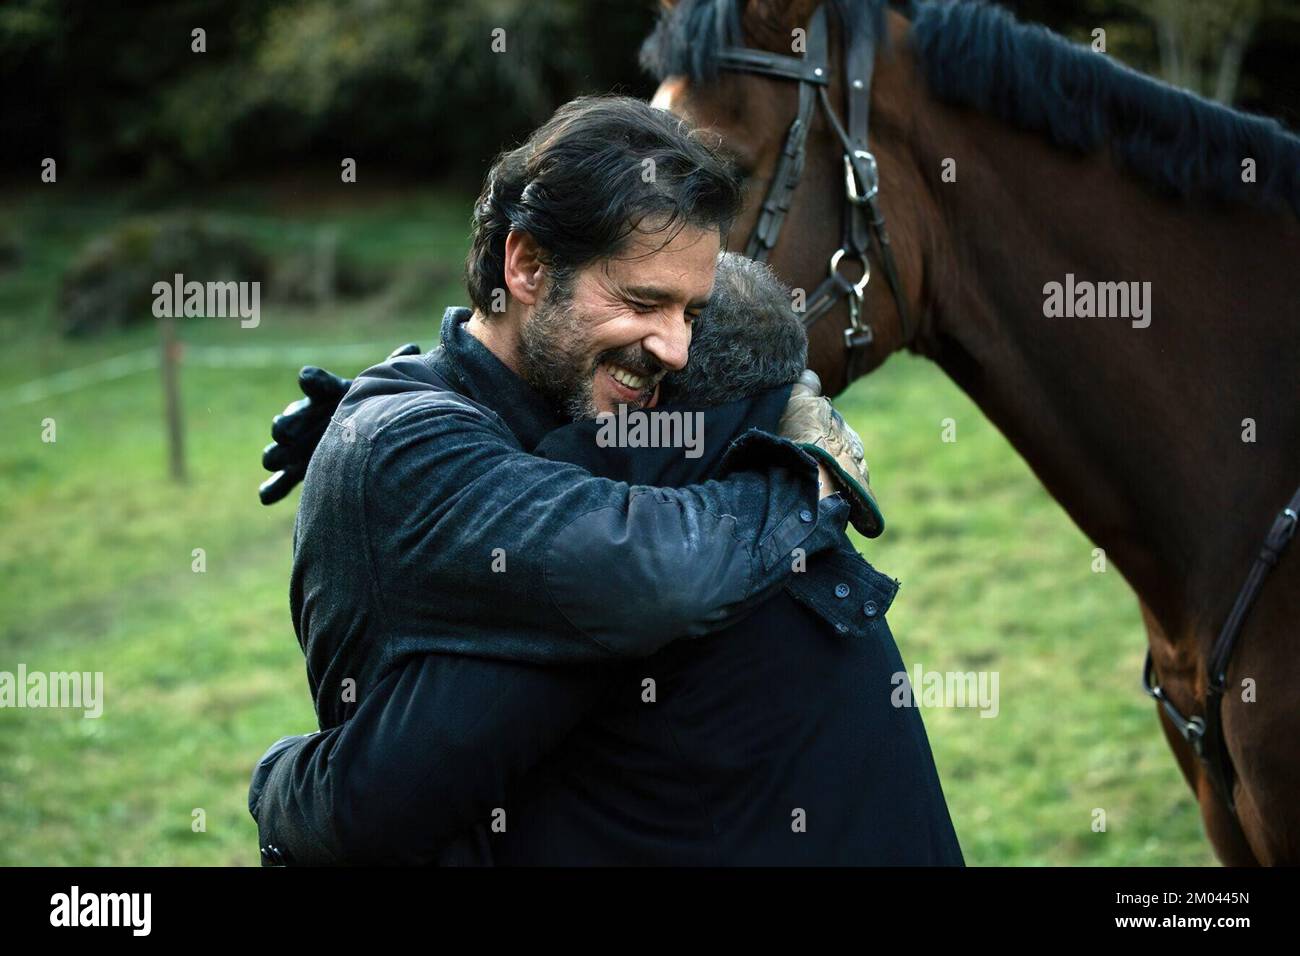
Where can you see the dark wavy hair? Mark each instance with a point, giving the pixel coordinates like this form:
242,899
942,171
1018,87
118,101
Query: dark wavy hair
598,169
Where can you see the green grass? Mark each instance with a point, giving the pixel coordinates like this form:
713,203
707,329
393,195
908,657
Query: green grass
202,670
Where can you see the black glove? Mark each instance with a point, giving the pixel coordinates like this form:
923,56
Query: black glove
298,429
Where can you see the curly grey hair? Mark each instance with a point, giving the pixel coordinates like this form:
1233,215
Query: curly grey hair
746,340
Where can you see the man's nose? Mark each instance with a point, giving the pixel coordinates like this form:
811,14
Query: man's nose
670,346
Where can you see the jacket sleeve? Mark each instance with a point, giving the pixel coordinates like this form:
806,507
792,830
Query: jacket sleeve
426,757
567,567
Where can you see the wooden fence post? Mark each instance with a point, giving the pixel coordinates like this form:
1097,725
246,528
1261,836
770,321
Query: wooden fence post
171,357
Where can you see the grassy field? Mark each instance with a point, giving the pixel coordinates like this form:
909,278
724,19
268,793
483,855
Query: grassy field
202,671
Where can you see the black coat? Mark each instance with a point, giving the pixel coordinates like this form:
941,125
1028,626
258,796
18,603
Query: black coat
441,743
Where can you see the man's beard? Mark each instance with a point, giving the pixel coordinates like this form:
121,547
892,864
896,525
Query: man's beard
553,348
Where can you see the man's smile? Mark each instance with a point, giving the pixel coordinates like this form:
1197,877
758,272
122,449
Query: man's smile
629,386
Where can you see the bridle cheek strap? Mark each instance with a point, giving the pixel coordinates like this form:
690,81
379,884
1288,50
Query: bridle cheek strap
862,219
811,73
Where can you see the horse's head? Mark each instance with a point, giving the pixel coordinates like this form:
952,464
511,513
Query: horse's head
753,113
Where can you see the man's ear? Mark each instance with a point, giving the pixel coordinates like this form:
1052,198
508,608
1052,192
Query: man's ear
524,268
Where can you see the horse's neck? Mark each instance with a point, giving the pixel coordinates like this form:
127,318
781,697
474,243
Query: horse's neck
1137,432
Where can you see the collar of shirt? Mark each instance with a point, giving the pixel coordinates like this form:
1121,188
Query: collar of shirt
482,376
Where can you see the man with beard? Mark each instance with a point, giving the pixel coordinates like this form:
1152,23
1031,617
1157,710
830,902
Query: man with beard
458,596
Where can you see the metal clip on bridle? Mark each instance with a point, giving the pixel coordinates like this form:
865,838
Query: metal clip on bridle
858,334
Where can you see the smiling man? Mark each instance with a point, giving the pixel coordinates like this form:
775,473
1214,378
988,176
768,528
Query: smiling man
455,593
583,345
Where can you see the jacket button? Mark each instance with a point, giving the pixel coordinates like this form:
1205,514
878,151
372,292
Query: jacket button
842,628
869,609
806,516
841,590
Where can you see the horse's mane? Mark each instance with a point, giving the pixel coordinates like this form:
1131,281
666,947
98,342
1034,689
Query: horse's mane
977,54
687,36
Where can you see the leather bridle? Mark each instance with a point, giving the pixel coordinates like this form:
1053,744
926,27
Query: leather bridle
862,217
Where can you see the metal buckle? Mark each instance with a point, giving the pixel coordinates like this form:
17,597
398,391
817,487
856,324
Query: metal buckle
859,338
1191,729
851,178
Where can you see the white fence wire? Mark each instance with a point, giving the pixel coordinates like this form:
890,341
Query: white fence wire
197,356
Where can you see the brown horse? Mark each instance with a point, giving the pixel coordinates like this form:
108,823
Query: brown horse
1010,160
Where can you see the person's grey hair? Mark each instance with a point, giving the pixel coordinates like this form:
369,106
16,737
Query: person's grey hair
748,339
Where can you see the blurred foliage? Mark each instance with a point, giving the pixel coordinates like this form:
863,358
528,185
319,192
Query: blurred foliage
1202,43
406,83
107,286
116,89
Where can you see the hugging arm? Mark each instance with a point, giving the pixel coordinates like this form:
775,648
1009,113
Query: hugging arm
468,533
427,755
296,431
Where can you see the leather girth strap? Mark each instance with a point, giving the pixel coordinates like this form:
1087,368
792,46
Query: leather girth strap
1205,734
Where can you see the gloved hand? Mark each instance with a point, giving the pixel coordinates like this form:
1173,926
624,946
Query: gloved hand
810,421
298,429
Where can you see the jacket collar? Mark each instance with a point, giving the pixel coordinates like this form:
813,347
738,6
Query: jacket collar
478,374
717,426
